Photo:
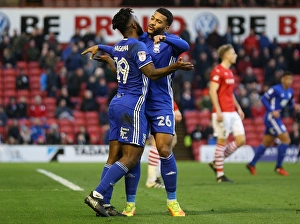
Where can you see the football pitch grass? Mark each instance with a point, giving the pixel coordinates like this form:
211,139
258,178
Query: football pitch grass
27,196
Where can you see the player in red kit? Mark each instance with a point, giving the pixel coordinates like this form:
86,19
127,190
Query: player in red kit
227,114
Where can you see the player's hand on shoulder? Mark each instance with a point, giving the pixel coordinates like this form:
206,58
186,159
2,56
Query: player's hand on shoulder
159,38
93,50
184,65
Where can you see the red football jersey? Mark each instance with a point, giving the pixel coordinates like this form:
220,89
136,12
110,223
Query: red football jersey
225,78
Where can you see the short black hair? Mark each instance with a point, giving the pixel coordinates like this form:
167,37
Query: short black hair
121,19
286,73
167,14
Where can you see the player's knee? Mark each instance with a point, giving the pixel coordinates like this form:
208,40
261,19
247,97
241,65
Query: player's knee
241,140
164,150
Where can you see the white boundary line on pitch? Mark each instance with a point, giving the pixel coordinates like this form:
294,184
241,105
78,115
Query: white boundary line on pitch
60,180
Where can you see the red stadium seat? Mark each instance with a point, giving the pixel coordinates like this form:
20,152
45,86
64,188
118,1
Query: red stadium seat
21,65
33,65
9,72
79,122
78,115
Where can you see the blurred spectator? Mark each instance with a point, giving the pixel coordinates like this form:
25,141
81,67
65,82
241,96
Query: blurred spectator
18,46
295,135
248,77
22,107
67,139
43,80
8,59
5,43
38,109
13,133
25,134
187,101
104,119
63,111
276,77
102,89
53,83
258,109
88,36
33,52
53,135
89,103
52,42
74,82
295,62
22,81
99,38
74,60
38,134
202,64
205,101
77,36
265,56
3,117
288,51
92,85
214,40
12,108
281,63
264,41
196,134
243,63
82,137
227,38
185,34
65,95
207,132
251,42
50,60
246,107
256,60
270,71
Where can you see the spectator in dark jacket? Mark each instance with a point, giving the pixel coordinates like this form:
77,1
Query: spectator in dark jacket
22,81
3,117
12,108
89,103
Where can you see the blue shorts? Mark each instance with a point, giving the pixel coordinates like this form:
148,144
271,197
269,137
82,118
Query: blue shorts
161,121
274,126
127,125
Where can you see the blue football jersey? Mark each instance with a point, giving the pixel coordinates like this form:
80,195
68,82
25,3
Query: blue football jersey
130,55
160,95
277,98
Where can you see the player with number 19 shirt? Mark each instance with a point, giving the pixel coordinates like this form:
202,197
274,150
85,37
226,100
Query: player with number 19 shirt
132,92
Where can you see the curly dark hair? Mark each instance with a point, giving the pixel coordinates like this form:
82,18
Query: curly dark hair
167,14
121,19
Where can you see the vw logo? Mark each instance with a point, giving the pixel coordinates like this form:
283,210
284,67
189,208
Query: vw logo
205,23
4,22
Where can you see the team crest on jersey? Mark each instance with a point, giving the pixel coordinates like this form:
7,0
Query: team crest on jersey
215,78
270,91
156,48
142,55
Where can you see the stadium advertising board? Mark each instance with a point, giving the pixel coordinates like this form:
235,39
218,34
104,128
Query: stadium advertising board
60,153
246,154
281,23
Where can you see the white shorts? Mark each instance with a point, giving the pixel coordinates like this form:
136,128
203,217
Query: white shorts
232,123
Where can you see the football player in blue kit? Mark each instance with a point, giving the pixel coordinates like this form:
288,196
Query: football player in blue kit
128,123
275,100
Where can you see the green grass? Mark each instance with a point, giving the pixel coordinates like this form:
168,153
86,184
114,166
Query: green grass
27,196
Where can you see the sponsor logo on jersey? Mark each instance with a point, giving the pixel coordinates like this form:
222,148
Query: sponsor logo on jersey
205,23
229,81
142,55
156,48
4,23
270,91
123,133
215,78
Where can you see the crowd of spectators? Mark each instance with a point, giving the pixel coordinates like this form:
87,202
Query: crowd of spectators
79,84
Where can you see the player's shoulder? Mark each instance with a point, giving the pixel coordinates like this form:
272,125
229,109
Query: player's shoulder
217,69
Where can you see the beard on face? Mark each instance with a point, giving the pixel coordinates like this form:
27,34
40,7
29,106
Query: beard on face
140,30
157,31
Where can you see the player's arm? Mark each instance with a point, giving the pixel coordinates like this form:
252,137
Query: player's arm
238,107
177,43
108,60
150,71
213,89
265,99
96,48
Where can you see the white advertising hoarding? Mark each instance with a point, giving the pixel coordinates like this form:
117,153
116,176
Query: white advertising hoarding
60,153
281,23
